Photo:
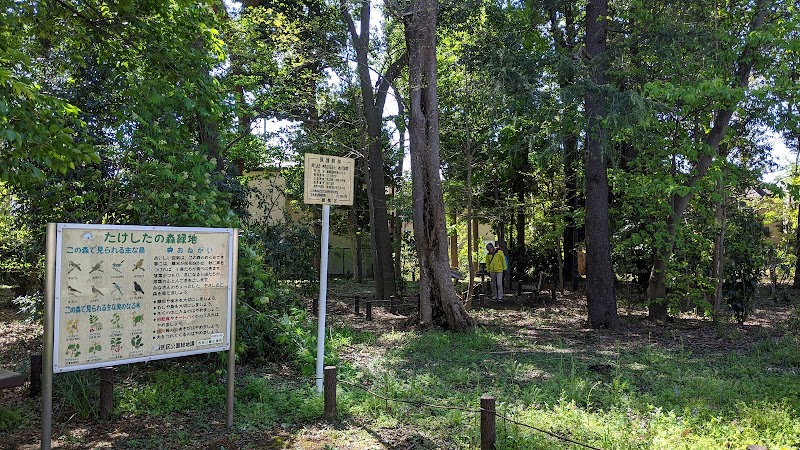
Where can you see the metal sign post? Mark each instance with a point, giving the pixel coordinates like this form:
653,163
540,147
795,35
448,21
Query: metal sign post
323,295
328,181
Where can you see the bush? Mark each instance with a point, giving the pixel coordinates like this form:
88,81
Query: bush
272,323
21,256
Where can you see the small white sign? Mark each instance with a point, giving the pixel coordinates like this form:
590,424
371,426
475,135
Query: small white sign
328,180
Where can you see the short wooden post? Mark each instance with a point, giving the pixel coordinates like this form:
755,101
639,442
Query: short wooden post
36,374
519,287
419,303
106,392
329,390
481,299
488,430
369,310
392,302
356,303
315,306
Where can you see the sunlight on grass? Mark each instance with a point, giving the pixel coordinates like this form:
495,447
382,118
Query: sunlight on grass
647,398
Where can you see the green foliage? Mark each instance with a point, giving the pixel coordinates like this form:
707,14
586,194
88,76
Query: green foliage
21,261
628,397
80,391
271,321
12,419
38,131
745,259
289,250
165,391
264,405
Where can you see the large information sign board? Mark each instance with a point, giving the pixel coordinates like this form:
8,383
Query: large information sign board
328,180
125,294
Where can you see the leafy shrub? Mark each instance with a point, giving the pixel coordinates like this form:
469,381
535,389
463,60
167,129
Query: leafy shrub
271,321
174,390
745,259
528,261
21,256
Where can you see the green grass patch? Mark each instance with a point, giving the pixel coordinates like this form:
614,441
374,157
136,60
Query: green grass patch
650,398
260,404
172,390
12,419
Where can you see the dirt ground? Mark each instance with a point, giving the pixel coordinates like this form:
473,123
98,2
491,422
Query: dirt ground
543,320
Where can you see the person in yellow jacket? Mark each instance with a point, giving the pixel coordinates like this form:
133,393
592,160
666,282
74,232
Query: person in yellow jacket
496,265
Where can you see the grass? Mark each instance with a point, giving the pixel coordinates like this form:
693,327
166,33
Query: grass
422,390
648,398
645,397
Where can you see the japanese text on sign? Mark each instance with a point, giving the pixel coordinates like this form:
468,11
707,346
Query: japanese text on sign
328,180
127,294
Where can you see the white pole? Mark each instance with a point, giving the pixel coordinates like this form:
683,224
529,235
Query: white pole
323,294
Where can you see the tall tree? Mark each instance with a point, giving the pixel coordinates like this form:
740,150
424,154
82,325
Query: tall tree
710,142
374,100
600,294
437,294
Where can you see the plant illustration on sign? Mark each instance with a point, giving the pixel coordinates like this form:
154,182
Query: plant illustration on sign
95,347
72,326
136,342
73,350
94,324
115,321
137,319
116,344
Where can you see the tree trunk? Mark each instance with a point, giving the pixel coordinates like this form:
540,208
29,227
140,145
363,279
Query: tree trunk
437,294
796,281
719,252
454,241
400,123
656,288
600,294
373,102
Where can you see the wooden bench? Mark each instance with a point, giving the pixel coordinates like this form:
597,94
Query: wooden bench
9,379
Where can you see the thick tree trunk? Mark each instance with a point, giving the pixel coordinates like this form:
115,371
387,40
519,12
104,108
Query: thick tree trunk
656,288
437,294
600,294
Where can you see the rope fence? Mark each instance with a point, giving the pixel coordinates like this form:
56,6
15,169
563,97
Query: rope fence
488,412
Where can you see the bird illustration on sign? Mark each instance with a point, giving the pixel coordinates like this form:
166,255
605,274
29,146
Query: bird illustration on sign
138,265
73,266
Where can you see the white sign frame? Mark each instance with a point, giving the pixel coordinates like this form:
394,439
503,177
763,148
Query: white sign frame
231,266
